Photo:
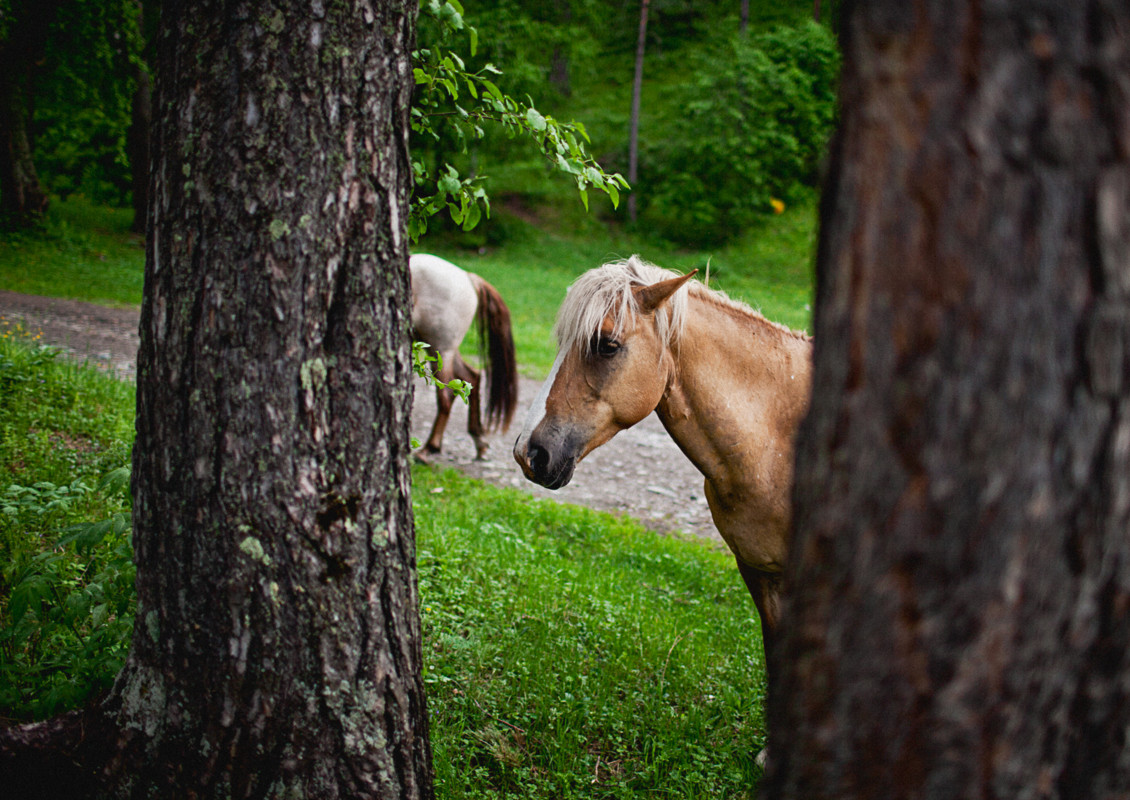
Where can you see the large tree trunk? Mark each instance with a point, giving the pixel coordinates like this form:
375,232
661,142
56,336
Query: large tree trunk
22,196
958,622
277,646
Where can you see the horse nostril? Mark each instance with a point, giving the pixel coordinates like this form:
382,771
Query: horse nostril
538,458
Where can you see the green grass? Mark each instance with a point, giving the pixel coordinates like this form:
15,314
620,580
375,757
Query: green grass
569,653
81,252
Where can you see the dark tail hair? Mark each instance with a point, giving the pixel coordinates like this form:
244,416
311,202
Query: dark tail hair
496,342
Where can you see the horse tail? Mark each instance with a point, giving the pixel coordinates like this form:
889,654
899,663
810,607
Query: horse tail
496,342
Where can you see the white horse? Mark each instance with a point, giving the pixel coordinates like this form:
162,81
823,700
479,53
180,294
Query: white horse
446,300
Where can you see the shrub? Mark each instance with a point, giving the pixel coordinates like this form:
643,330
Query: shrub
66,612
758,114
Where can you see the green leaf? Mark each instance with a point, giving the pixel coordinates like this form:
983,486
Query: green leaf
473,217
536,120
492,88
116,480
30,591
451,17
86,534
449,183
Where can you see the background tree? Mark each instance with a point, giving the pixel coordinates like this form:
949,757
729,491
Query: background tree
637,88
276,650
24,27
958,623
141,113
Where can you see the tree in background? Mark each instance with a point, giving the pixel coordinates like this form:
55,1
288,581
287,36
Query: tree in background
959,615
141,115
634,124
276,649
67,73
24,27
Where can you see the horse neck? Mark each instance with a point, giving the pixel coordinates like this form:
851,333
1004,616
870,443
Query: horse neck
735,378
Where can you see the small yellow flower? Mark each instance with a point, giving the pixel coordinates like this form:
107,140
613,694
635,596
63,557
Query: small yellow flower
778,205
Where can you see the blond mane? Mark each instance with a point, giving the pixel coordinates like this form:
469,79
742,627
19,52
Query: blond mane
607,289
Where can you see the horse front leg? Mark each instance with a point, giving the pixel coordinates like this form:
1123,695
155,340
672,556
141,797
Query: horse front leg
434,445
444,398
464,372
765,588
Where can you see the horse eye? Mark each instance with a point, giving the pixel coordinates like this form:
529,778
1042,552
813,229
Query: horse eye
606,347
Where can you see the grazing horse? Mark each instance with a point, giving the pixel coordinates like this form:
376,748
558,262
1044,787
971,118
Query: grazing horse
729,386
446,300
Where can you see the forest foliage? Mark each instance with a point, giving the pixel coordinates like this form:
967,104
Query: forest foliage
733,123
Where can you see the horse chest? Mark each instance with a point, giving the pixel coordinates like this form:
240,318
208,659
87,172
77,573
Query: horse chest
755,528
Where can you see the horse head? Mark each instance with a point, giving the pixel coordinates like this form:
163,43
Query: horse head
611,369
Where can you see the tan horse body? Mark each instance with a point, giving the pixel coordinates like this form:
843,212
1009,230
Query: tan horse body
729,386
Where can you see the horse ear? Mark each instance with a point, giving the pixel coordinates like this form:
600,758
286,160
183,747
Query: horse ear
652,297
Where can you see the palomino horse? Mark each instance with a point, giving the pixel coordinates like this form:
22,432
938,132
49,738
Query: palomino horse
445,301
729,386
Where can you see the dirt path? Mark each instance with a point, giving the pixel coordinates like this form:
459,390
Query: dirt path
640,472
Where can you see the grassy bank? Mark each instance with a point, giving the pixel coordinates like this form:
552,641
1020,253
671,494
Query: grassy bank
81,251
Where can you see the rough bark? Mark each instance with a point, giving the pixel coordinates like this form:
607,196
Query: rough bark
959,613
277,645
22,197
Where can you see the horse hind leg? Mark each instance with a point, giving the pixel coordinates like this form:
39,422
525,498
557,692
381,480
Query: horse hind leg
464,372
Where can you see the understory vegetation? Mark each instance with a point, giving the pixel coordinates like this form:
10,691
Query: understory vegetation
66,567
